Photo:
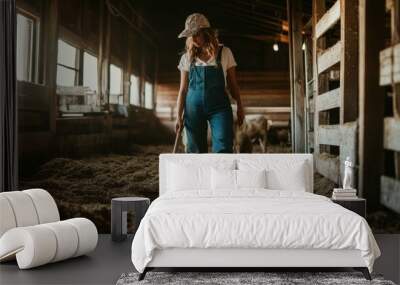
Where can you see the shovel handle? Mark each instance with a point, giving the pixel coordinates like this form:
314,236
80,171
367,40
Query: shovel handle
178,134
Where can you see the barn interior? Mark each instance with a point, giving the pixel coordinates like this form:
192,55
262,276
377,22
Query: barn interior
98,83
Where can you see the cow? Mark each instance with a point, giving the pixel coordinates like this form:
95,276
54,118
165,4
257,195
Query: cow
253,130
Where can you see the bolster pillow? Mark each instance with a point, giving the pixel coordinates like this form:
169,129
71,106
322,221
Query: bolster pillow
26,208
40,244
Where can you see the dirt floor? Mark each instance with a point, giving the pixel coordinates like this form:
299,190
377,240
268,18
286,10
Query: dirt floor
84,187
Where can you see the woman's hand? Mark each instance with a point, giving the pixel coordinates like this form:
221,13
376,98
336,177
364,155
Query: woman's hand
178,125
240,114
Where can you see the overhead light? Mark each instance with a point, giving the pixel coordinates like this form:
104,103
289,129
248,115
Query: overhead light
275,47
303,46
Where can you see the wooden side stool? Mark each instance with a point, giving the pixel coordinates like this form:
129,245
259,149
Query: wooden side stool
119,214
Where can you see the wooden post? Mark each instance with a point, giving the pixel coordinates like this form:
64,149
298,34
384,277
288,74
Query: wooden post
155,79
104,55
396,86
142,55
297,73
310,101
371,100
292,117
320,82
396,22
349,61
50,53
127,71
100,52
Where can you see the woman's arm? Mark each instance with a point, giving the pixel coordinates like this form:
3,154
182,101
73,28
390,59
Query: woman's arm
233,85
180,104
234,89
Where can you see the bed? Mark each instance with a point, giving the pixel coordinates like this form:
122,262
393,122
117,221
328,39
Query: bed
245,211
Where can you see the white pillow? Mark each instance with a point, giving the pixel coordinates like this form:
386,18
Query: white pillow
223,179
190,176
227,179
282,173
251,178
291,179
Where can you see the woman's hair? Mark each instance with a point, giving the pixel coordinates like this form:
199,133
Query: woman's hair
210,47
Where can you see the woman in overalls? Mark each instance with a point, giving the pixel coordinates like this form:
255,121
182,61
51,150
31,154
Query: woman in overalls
209,66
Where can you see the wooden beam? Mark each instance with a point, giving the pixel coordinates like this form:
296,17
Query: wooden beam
318,9
127,70
104,55
50,22
371,100
255,15
291,77
329,134
297,70
396,64
390,193
392,133
395,23
251,21
396,67
389,4
311,140
270,38
349,61
328,100
328,20
142,54
311,107
386,66
156,70
329,57
309,100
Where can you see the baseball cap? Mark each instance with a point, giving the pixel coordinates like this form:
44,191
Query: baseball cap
194,22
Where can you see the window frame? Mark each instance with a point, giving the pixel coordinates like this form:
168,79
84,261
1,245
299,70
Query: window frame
33,69
78,80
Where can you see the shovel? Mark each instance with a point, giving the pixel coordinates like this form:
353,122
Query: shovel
177,137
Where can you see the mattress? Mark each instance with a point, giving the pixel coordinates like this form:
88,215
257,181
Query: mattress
251,218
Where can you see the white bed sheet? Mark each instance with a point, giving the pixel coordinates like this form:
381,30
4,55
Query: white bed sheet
252,218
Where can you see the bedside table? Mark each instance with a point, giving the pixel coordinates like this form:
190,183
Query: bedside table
357,205
119,211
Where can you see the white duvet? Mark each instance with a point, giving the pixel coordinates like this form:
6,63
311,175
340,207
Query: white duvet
255,218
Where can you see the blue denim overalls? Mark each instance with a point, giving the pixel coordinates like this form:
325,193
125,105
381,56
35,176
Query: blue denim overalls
206,101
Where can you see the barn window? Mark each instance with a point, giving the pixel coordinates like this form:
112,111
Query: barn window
134,91
67,64
27,47
90,71
116,96
148,94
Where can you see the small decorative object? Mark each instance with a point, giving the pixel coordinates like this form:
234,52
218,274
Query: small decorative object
347,192
348,174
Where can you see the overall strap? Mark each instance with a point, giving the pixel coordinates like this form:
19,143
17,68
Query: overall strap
192,62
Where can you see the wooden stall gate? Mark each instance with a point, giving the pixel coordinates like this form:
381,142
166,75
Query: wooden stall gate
390,77
335,99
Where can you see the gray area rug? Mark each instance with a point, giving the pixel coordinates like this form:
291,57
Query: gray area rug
232,278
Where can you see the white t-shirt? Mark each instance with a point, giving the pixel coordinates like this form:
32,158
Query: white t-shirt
227,61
